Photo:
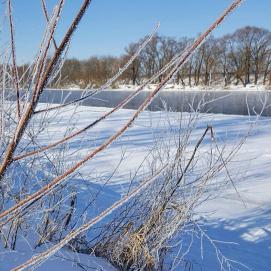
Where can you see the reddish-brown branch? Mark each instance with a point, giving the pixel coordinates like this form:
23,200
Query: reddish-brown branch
48,188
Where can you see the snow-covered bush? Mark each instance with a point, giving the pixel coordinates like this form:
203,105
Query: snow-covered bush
39,181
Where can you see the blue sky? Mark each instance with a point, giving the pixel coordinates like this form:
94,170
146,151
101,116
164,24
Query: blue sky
110,25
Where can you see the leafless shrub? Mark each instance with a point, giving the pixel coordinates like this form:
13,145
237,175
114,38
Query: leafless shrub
146,232
34,179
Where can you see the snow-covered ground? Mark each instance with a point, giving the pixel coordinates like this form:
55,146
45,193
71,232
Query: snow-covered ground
243,219
174,87
62,261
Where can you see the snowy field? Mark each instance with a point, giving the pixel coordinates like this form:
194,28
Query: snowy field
241,222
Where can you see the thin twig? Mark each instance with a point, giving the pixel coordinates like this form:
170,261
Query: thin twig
14,63
45,11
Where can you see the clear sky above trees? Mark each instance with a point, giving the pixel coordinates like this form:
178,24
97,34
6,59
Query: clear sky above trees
110,25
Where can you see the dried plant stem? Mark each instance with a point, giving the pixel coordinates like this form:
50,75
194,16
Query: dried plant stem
45,255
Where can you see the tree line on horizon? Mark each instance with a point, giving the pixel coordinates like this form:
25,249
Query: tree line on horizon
240,58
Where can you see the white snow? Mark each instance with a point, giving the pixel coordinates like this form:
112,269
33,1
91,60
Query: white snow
62,261
246,222
175,87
